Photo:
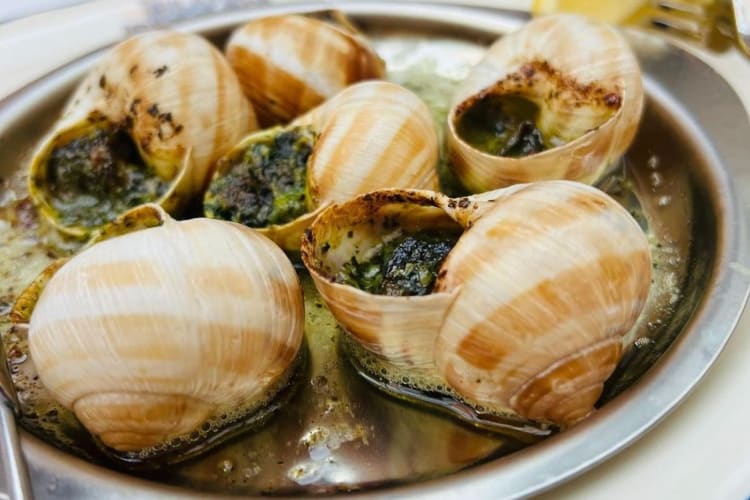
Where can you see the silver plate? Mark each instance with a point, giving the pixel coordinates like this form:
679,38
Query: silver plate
687,96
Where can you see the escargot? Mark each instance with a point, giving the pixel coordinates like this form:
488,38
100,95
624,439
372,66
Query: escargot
517,299
561,98
154,336
289,64
146,125
371,135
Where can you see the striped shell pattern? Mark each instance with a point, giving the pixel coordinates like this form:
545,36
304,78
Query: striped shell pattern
530,307
289,64
148,335
587,84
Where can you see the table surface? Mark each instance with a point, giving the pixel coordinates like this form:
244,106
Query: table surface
701,450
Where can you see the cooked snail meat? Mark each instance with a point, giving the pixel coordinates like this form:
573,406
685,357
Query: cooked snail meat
265,184
502,126
561,98
97,176
146,125
405,264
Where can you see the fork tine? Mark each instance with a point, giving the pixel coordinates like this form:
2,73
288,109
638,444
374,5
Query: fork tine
742,23
694,26
704,21
695,8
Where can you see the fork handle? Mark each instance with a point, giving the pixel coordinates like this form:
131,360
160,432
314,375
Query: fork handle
14,483
742,22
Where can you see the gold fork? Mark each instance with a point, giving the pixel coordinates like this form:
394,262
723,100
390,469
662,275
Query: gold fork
717,24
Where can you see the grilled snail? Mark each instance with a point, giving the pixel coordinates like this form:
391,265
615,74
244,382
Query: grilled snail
157,334
559,99
289,64
146,125
517,300
371,135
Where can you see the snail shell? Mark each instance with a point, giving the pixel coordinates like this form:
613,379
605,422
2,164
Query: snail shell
371,135
587,84
289,64
177,99
148,335
529,309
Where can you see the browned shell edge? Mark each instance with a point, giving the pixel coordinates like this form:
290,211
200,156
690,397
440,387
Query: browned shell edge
26,301
135,219
372,201
173,200
614,100
464,210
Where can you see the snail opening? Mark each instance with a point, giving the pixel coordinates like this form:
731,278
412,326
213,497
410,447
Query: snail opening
503,125
404,264
93,178
266,183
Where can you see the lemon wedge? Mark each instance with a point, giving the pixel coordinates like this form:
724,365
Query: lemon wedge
610,11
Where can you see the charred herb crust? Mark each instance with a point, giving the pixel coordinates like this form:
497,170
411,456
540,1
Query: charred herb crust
405,265
267,185
528,139
94,178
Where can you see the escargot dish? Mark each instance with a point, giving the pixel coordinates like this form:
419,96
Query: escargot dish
516,299
280,253
160,334
146,125
559,99
369,136
289,64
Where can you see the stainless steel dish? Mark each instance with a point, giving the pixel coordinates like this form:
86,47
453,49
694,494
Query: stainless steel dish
690,107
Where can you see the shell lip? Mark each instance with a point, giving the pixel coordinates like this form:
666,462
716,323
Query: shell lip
312,250
457,109
94,121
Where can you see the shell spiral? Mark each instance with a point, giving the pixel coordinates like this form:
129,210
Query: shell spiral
530,307
145,336
569,272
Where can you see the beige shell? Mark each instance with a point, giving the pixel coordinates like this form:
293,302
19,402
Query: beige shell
587,83
289,64
530,307
174,94
147,336
371,135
